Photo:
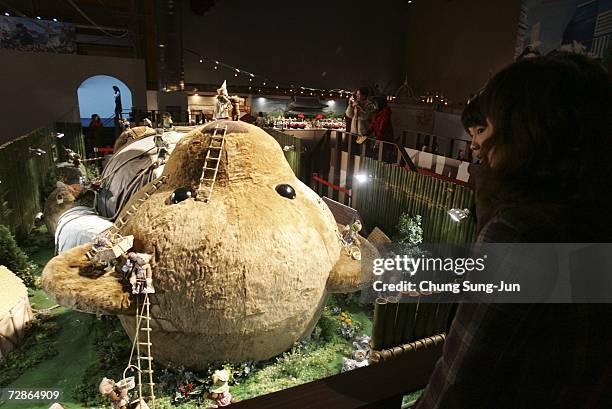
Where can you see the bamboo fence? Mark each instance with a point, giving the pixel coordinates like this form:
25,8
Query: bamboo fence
27,178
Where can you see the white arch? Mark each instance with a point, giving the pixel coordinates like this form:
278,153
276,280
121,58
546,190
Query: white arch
96,96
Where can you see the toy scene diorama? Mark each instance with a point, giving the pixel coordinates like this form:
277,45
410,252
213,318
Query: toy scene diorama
186,224
192,266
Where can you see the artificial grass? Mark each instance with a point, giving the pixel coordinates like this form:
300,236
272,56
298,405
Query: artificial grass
87,349
66,369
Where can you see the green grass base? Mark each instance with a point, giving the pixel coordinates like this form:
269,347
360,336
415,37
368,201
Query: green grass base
88,349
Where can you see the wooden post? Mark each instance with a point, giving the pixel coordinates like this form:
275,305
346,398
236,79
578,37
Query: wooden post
350,168
380,310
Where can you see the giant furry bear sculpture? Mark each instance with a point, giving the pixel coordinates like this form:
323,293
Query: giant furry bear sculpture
243,276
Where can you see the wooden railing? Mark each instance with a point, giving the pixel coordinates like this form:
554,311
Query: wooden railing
379,386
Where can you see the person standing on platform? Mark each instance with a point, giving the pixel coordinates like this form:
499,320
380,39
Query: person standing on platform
360,110
261,120
118,105
382,129
95,134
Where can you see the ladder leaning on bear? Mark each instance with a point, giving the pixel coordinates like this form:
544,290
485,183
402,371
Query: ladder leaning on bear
211,164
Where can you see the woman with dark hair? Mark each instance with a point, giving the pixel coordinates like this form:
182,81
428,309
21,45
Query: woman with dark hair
118,105
382,128
546,168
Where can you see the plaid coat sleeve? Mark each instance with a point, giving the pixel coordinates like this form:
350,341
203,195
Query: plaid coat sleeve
523,355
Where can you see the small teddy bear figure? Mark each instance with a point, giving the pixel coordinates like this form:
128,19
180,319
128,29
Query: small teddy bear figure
141,277
351,232
118,396
219,393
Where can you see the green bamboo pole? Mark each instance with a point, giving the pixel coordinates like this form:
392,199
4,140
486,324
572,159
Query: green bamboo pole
435,213
390,321
380,310
424,314
446,224
427,209
407,314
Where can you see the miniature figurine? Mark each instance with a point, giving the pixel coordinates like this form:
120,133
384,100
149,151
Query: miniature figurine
222,103
141,278
167,121
351,232
362,344
105,249
235,100
219,393
162,147
350,239
118,396
359,360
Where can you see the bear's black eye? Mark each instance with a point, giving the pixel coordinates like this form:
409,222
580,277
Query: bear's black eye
286,191
180,194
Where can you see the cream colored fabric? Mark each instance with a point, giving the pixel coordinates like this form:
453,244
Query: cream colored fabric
12,291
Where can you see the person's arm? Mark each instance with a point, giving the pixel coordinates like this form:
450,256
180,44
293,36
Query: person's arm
349,110
365,110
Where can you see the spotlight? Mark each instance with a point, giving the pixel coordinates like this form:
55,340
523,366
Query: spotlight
59,135
361,178
201,60
459,215
216,68
36,151
288,148
264,84
55,20
37,17
7,14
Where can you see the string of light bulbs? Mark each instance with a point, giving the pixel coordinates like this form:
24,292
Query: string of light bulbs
266,82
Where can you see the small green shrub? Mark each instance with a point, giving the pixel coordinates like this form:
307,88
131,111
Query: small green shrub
14,258
409,229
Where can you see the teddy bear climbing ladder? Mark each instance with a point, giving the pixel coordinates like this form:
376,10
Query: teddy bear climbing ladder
211,164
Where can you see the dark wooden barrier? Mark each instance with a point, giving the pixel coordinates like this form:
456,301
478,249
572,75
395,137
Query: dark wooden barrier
378,386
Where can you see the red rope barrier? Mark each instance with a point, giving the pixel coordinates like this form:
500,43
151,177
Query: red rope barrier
316,178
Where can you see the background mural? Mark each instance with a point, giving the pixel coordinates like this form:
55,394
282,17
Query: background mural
582,25
26,34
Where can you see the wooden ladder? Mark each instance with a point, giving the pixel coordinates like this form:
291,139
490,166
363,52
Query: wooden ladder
142,338
122,221
211,165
